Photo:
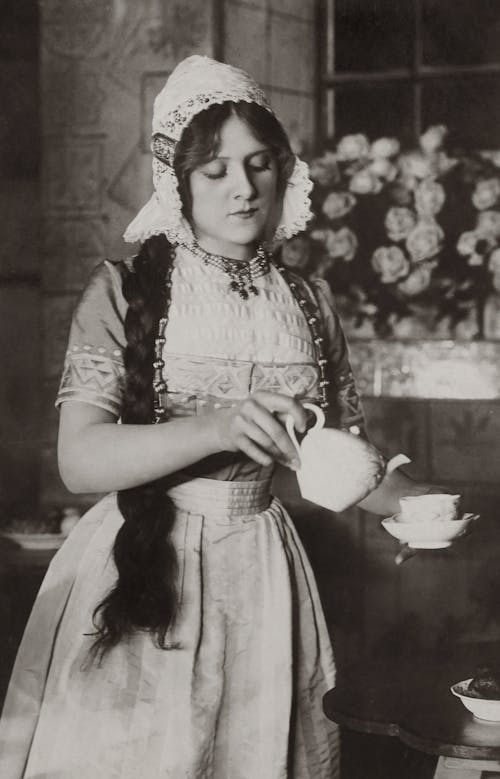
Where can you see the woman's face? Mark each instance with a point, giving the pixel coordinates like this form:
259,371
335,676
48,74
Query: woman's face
234,194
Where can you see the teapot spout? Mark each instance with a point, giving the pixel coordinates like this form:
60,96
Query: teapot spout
396,461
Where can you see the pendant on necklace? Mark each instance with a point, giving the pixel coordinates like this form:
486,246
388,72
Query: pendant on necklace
242,275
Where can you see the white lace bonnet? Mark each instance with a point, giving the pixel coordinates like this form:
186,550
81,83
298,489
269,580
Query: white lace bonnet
194,85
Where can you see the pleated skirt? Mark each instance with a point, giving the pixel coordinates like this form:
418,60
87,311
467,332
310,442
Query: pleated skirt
239,694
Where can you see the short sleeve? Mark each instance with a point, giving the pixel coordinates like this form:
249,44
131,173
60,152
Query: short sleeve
343,394
93,368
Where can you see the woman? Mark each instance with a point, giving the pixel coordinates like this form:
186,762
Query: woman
178,632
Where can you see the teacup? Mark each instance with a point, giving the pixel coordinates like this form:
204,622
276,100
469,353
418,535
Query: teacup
338,469
417,508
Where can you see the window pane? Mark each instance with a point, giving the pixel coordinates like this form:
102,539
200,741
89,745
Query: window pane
461,32
373,35
375,109
470,107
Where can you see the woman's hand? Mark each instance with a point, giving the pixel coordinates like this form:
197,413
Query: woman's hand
255,427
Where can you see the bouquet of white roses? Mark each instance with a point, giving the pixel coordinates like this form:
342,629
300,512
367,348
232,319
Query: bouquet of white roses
409,241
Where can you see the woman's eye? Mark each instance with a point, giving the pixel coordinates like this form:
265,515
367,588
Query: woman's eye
214,172
261,163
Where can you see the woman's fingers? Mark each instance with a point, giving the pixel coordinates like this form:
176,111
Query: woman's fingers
404,554
254,452
262,427
283,405
253,427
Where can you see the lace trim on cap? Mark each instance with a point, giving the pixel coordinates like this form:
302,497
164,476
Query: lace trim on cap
175,121
296,211
162,214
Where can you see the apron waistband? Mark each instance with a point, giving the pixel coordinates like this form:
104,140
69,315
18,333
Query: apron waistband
213,496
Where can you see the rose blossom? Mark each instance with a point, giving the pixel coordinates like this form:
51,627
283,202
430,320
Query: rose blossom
296,253
340,244
486,193
352,147
343,244
443,163
492,156
384,168
322,235
424,241
467,242
399,222
338,204
488,222
385,147
325,169
415,165
365,183
429,198
475,245
494,262
418,280
433,138
390,263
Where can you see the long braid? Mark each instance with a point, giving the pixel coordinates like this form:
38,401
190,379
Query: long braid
145,595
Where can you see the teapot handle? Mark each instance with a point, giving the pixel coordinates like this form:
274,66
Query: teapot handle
320,422
396,461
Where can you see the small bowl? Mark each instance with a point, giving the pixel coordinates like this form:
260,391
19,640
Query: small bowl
42,541
481,708
428,534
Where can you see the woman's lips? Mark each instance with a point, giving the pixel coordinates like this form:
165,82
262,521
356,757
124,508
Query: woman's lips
246,214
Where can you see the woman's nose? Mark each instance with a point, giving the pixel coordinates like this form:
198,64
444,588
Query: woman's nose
243,186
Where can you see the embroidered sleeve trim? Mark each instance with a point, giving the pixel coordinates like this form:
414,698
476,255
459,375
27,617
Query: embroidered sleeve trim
95,376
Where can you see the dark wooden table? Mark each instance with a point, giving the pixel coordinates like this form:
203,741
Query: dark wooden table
409,698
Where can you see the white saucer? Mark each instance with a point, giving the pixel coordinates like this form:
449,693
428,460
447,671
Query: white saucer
428,534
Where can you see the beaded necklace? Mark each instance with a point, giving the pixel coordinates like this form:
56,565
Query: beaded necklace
307,306
241,274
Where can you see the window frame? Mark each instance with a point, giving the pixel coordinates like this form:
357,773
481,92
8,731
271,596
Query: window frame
416,75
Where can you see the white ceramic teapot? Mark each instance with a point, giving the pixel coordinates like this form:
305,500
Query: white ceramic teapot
338,469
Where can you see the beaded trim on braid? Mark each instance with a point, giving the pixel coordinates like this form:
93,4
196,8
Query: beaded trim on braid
313,322
159,383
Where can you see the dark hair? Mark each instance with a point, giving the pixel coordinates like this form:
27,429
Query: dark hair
145,595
